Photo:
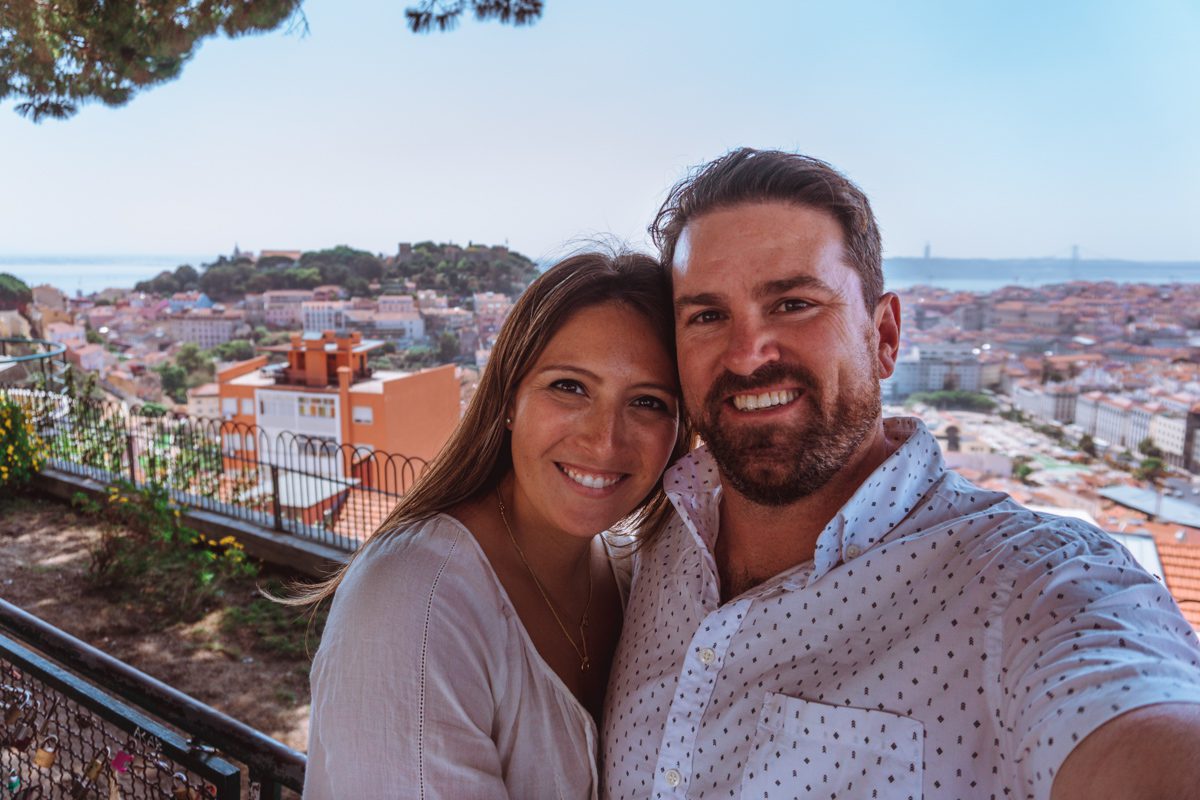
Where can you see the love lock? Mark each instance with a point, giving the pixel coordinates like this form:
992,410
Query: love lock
181,790
47,752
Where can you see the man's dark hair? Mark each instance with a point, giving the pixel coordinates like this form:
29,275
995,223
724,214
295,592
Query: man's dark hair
753,176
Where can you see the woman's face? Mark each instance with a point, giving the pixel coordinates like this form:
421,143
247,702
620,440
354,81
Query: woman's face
593,422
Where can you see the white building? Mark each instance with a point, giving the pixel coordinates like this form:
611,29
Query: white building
324,315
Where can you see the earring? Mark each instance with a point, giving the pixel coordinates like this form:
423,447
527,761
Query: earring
508,420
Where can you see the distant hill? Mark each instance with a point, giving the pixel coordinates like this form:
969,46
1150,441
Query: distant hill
982,274
452,269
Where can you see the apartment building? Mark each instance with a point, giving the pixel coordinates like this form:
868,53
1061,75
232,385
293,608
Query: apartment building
208,327
398,304
491,309
325,393
323,315
284,308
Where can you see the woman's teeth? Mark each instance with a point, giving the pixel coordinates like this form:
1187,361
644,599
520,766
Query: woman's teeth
589,480
753,402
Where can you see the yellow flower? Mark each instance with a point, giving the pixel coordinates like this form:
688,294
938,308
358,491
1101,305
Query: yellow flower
177,512
124,499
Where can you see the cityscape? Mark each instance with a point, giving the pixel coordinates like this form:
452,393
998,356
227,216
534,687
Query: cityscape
1080,398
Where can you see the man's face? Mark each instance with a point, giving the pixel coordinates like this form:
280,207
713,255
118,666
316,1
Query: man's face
779,358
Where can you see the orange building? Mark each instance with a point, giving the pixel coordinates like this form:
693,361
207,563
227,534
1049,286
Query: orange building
323,422
326,393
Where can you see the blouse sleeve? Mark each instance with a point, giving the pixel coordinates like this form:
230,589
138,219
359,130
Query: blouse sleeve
403,699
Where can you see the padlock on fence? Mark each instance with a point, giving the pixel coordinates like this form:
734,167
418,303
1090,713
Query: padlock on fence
47,752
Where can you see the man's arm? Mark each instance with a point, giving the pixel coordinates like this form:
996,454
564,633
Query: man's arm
1150,752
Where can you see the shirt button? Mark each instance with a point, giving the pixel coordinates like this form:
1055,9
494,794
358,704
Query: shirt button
673,778
853,551
707,655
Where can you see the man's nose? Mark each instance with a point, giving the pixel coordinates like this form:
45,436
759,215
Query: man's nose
750,345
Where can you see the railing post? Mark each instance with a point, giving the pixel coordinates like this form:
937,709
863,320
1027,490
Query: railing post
276,508
129,452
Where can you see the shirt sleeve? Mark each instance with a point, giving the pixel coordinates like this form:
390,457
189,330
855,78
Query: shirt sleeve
402,692
1080,635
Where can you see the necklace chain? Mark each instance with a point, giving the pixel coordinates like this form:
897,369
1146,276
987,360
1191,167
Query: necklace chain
580,649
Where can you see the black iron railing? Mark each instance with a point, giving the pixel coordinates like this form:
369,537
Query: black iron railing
319,490
77,723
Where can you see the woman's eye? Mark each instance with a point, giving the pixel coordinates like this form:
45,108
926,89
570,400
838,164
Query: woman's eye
567,385
650,402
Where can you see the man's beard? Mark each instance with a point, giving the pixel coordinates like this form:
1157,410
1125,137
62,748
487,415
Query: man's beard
772,464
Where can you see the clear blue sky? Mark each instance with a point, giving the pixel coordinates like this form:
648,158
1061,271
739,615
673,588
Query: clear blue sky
992,129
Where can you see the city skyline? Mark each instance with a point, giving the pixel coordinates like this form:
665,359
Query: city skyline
982,132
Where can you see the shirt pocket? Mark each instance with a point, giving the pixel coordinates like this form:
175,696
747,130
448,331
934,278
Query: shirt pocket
806,749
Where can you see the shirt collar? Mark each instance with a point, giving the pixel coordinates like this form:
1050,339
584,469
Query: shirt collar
884,499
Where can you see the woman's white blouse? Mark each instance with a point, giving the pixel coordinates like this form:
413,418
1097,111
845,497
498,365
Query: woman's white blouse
426,684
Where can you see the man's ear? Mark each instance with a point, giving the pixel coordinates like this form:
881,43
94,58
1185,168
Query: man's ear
887,330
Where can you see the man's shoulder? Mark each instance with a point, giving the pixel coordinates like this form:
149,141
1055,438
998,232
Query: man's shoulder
987,520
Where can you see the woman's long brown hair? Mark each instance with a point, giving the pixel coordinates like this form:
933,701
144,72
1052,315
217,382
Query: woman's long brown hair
478,456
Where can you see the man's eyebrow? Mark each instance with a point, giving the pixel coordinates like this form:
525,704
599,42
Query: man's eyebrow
702,299
785,285
761,291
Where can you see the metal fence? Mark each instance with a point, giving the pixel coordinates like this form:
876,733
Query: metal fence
33,361
335,494
119,733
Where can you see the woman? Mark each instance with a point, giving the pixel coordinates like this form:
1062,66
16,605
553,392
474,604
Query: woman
468,646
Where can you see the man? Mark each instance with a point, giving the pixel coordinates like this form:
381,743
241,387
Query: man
832,613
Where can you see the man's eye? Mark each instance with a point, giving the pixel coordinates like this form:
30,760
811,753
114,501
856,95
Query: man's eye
794,305
568,385
706,316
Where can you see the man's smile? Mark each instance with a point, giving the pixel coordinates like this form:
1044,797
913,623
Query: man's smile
763,400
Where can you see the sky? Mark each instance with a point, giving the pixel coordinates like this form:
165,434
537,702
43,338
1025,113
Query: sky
983,129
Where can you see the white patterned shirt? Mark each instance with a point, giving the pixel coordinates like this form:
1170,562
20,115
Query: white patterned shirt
944,642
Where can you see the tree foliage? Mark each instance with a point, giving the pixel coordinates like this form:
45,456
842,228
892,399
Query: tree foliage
185,278
954,399
13,291
58,54
462,271
443,15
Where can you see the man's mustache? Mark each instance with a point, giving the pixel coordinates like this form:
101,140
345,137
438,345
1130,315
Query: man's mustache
727,383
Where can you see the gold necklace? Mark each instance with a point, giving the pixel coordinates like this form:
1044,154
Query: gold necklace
581,649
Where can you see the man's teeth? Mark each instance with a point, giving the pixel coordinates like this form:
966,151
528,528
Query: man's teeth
753,402
590,481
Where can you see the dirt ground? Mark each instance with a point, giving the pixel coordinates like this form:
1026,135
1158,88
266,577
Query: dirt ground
44,547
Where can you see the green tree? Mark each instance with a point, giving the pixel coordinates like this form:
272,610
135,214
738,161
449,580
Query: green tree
234,350
174,381
1153,470
1147,448
196,363
1088,445
57,54
13,291
448,346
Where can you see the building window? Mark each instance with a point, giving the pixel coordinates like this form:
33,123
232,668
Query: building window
229,406
248,406
363,415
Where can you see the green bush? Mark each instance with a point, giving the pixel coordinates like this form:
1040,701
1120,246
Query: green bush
147,555
22,451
